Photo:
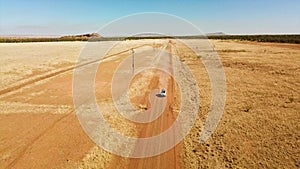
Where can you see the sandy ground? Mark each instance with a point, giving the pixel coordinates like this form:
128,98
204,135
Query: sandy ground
259,128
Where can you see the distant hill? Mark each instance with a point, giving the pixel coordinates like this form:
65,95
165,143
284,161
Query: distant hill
88,35
216,34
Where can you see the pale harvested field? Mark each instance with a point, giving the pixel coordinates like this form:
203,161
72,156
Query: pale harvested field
259,128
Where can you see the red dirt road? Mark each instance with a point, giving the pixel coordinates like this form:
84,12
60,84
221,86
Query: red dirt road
173,157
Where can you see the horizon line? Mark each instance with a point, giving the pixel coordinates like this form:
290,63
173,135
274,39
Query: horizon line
207,34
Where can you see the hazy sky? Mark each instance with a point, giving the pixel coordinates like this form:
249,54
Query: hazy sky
61,17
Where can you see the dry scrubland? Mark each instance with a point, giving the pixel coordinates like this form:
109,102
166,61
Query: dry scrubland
259,128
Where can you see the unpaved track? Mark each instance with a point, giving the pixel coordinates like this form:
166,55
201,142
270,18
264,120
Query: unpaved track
46,144
172,158
39,140
29,81
45,140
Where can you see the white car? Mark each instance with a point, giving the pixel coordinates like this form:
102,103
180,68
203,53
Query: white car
163,93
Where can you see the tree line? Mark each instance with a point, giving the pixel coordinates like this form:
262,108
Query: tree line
258,38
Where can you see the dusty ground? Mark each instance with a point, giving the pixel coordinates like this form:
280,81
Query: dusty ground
260,125
259,128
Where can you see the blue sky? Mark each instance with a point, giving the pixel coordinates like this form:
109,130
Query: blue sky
62,17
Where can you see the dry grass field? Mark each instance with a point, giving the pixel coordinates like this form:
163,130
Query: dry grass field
259,128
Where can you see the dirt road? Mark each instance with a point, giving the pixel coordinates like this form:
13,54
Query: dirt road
159,80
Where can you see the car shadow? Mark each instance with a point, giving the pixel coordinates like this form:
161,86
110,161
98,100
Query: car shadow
160,95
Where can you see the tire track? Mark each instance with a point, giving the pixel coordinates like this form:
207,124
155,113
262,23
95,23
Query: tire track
21,151
55,73
24,150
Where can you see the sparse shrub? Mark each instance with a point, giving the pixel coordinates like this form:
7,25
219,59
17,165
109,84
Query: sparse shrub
291,99
247,108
